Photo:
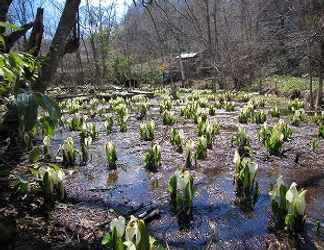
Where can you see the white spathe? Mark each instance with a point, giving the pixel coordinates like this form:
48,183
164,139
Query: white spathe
119,224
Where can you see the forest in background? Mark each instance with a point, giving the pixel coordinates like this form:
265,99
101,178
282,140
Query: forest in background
240,41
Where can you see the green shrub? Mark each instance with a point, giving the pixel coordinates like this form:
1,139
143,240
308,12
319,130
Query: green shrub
122,115
121,69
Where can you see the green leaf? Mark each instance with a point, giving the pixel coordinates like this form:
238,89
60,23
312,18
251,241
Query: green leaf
35,155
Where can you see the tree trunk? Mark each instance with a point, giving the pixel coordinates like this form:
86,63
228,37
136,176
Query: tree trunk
57,47
209,41
4,7
95,59
80,64
36,36
310,72
321,67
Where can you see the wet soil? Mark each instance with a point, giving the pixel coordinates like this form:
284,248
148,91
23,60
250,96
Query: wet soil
96,194
217,222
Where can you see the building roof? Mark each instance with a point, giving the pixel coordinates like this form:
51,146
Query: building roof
187,55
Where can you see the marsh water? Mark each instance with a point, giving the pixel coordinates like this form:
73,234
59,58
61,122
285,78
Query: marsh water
217,222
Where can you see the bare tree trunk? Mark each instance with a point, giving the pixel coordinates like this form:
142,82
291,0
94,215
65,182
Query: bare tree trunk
157,32
310,72
36,36
79,62
57,47
321,66
4,7
95,58
209,37
86,50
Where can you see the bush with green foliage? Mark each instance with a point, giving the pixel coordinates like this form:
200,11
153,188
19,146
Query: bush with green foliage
16,71
182,191
147,130
152,158
288,206
121,69
257,102
141,106
247,188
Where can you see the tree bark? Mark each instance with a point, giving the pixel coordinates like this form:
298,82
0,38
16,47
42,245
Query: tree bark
36,36
14,36
4,7
57,47
321,67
